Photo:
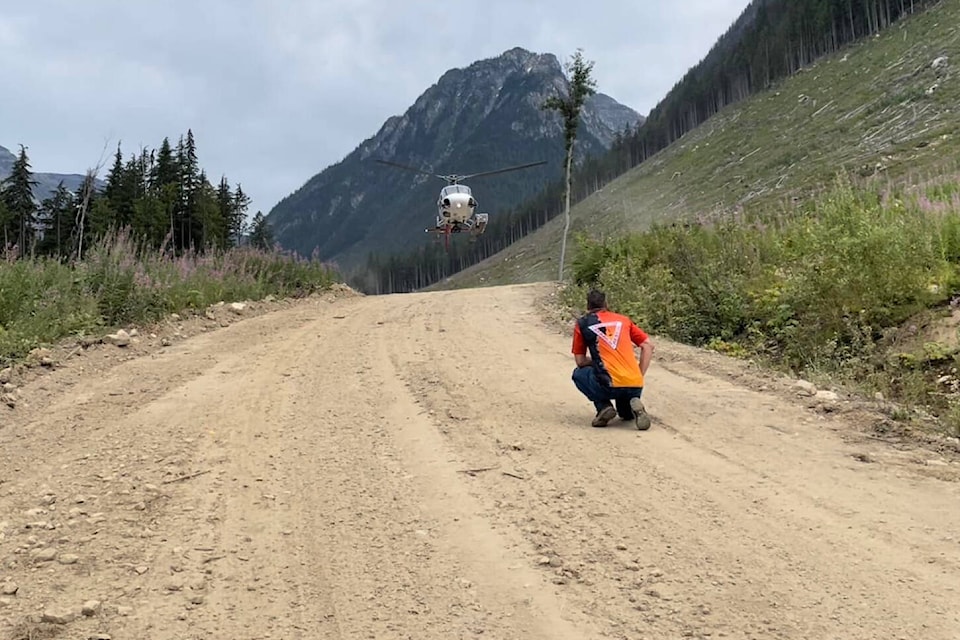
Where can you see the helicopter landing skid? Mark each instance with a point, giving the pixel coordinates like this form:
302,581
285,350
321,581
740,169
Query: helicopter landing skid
475,226
445,231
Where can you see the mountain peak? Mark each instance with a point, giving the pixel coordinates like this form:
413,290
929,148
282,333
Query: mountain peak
484,116
526,57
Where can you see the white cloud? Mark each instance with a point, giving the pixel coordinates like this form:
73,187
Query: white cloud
276,91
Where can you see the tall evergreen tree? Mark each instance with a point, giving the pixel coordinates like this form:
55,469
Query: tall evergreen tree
238,220
114,177
580,86
261,235
211,224
58,213
225,211
190,186
165,168
20,204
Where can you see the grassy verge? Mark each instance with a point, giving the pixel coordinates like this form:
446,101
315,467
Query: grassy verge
857,286
44,300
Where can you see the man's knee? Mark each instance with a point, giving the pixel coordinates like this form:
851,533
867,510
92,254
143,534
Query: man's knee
582,376
585,380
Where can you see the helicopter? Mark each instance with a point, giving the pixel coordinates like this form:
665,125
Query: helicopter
456,205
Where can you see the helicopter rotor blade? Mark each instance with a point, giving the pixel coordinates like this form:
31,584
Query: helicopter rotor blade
489,173
409,168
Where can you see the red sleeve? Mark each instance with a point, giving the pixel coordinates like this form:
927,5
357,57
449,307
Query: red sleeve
579,346
637,334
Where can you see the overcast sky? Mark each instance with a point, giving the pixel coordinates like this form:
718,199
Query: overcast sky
276,90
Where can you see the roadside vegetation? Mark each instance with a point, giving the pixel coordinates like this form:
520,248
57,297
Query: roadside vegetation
155,238
118,283
858,285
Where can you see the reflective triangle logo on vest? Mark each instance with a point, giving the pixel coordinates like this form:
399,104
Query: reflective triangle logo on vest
612,340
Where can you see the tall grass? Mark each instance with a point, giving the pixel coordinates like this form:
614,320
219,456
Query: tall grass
118,282
814,288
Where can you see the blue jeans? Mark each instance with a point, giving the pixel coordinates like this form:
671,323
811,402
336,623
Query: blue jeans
585,378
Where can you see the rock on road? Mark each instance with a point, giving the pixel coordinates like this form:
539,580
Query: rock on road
420,466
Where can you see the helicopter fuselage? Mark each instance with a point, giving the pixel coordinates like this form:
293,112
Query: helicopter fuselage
455,205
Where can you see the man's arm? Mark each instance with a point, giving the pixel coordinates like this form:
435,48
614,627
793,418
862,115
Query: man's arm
642,340
646,354
579,349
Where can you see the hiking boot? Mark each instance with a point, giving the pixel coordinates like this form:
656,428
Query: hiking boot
604,416
640,414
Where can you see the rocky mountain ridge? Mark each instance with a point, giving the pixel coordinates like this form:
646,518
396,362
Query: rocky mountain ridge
481,117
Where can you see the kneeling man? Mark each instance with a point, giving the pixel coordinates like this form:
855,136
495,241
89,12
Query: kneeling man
607,368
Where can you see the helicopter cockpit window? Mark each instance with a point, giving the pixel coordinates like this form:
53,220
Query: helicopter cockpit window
455,188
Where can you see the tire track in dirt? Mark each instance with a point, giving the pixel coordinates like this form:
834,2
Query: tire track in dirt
399,538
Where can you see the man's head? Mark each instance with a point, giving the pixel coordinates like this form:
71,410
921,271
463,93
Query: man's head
596,300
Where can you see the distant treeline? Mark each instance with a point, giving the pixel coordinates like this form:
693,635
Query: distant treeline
162,197
771,40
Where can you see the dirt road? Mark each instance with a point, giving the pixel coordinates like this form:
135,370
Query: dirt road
421,467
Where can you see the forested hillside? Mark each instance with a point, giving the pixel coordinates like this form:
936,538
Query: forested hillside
162,197
771,40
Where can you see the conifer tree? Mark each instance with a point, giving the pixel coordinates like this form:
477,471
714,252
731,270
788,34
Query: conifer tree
211,224
225,212
21,208
261,235
238,220
165,168
580,86
189,190
58,222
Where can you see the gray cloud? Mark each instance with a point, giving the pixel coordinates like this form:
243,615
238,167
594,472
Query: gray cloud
276,90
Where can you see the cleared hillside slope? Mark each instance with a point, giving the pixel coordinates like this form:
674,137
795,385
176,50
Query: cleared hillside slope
888,104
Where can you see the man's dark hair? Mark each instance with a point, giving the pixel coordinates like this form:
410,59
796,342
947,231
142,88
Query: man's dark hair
596,300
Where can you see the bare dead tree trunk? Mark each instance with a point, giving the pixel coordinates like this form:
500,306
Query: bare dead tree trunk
89,184
566,208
